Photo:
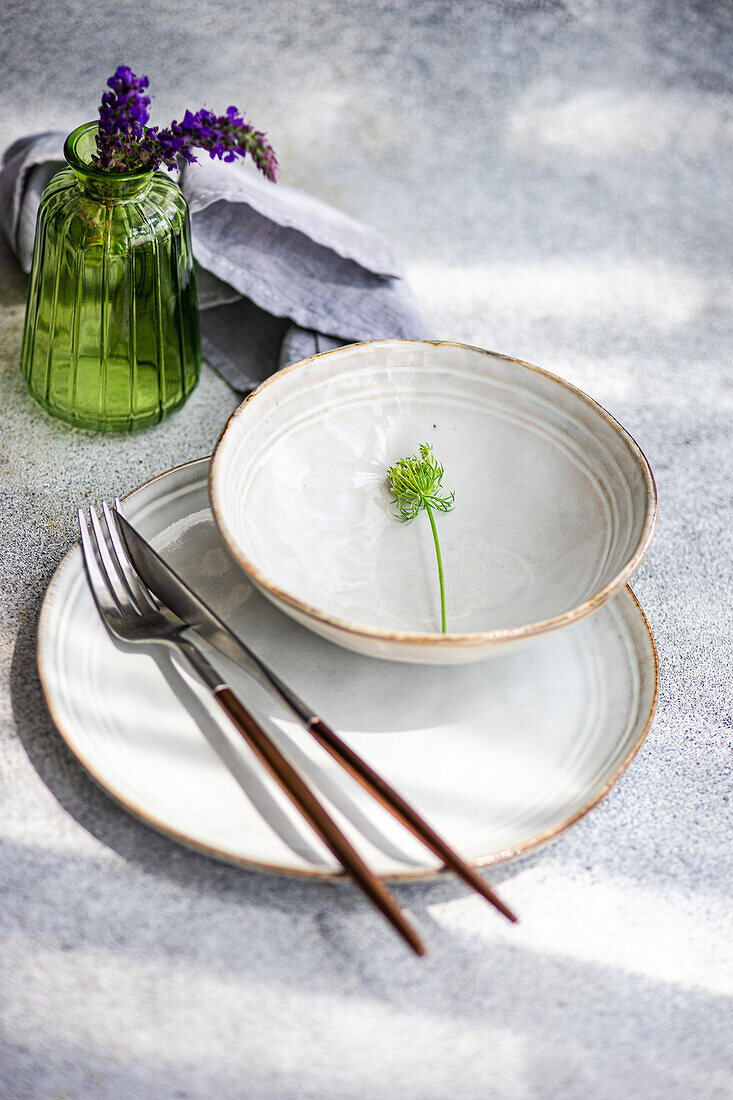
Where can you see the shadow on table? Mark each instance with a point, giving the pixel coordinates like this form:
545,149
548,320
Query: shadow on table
508,987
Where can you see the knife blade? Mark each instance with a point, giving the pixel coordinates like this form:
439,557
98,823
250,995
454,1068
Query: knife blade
166,584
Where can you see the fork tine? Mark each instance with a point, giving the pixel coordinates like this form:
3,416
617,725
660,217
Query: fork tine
109,570
100,589
142,595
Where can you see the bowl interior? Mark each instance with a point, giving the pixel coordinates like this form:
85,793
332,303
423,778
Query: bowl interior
552,498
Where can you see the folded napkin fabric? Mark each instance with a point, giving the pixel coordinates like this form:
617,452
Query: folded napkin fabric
280,274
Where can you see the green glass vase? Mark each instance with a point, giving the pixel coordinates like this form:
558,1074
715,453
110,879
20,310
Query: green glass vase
111,338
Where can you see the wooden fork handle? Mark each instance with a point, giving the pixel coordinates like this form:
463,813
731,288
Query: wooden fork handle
315,814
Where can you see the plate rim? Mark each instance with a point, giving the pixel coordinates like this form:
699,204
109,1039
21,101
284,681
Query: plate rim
476,639
319,874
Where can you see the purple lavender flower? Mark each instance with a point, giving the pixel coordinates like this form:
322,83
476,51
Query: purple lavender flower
224,137
122,118
123,142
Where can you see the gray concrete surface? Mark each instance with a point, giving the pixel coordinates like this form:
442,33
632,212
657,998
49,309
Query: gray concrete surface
557,179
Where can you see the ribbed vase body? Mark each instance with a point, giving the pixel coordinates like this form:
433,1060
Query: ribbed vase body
111,337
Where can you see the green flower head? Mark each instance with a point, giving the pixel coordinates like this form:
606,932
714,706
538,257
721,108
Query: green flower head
416,484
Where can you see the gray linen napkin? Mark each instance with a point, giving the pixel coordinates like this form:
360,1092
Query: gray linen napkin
280,274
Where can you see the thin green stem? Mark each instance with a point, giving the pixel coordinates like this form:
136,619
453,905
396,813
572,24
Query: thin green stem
429,510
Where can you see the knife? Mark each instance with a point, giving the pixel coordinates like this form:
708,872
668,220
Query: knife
173,591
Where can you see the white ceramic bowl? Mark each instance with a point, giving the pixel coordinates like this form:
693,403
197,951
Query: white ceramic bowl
555,504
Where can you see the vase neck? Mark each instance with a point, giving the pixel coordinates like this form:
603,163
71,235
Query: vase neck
113,190
104,186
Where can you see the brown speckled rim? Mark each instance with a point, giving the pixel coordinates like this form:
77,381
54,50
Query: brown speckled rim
478,640
322,875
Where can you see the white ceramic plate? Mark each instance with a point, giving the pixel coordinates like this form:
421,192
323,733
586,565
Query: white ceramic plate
499,756
554,502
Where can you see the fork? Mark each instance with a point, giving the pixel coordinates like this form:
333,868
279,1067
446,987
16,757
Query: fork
134,615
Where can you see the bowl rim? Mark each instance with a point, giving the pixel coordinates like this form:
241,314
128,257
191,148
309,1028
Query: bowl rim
479,639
